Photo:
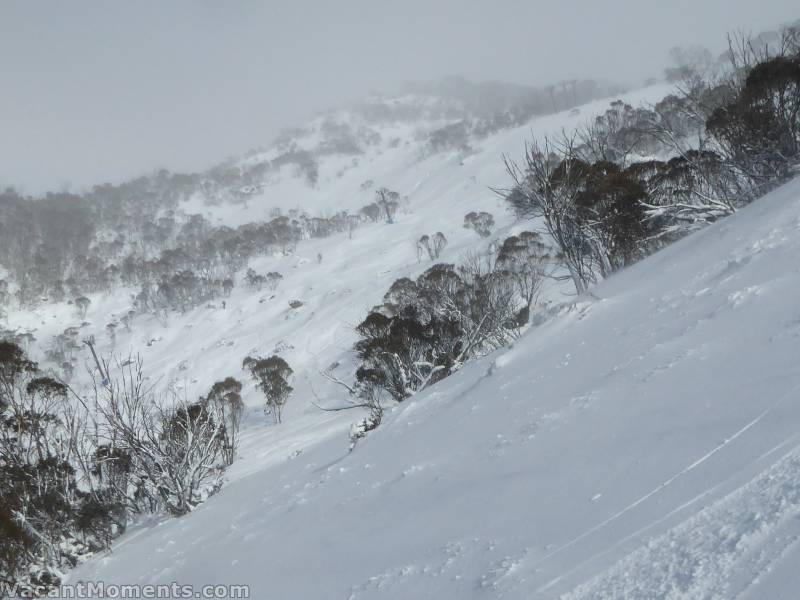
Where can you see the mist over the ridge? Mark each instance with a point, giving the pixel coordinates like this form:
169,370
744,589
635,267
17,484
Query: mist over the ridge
96,92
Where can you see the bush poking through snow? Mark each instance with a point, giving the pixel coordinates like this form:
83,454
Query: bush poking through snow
387,201
71,475
431,245
360,429
272,377
82,304
481,222
226,399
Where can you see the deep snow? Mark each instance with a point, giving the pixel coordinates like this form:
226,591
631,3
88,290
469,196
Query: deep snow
641,443
189,352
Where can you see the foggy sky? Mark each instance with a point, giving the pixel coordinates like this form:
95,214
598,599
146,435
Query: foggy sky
96,91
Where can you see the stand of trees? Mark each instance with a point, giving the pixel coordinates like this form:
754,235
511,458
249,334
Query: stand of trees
731,140
480,109
385,206
64,247
74,467
604,202
426,328
432,245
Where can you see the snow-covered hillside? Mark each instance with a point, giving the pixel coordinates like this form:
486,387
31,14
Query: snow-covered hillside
641,443
188,352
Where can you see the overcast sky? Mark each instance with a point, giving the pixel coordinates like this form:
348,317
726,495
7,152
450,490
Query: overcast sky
95,91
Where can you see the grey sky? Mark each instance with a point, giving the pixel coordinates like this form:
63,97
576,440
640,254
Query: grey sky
97,91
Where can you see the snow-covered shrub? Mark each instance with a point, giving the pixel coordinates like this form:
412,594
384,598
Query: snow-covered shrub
47,520
428,327
431,245
481,222
174,450
226,399
272,377
359,429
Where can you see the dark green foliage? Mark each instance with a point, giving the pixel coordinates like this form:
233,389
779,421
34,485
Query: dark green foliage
404,353
481,222
226,399
272,377
427,327
760,128
609,203
40,503
99,518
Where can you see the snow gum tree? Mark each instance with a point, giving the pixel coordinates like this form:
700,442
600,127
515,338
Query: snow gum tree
272,377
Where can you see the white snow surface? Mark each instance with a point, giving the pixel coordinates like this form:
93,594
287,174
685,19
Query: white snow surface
642,442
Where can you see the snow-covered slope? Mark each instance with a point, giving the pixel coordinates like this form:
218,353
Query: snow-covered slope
189,352
642,443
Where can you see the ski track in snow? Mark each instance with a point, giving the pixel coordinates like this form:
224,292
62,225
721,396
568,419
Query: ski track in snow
637,535
662,485
701,557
